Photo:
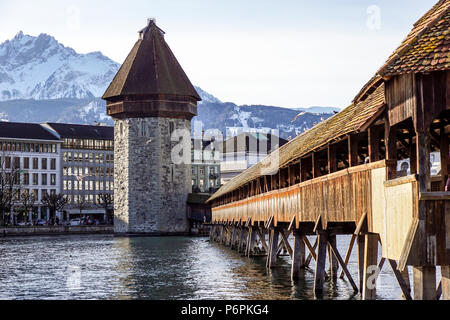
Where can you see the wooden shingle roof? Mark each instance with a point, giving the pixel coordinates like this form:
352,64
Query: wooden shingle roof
425,49
151,69
351,119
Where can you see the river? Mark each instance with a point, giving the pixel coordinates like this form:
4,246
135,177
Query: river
107,267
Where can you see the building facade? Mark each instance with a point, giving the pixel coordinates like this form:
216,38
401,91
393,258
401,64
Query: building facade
244,150
205,167
151,101
32,154
87,167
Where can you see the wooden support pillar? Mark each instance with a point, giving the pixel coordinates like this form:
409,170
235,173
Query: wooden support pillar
262,238
360,256
241,239
405,276
273,247
298,255
349,253
424,282
319,277
374,144
353,141
222,234
332,162
251,241
412,156
370,266
233,236
423,160
444,156
312,251
315,165
332,258
445,282
390,141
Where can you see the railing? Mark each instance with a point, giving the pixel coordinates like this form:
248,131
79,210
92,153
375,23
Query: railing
343,196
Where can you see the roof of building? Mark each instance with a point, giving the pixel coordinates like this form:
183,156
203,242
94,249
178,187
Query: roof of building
425,49
29,131
249,142
151,69
79,131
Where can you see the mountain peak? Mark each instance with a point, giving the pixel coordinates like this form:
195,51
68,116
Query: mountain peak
19,35
39,67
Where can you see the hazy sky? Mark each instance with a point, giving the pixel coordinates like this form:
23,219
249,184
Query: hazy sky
290,53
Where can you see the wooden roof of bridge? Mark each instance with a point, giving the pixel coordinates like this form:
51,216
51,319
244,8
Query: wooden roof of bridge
425,49
351,119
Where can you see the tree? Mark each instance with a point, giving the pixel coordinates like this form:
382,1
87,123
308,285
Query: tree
81,204
9,185
54,202
106,201
27,200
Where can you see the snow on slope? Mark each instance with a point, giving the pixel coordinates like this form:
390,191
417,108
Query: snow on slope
42,68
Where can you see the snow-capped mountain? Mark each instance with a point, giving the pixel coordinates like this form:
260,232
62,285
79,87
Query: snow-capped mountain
42,68
42,80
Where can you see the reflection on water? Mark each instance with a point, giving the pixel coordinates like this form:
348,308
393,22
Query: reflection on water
156,268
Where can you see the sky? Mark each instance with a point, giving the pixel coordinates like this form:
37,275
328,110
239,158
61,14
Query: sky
288,53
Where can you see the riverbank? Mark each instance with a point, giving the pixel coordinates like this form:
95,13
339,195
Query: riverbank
54,230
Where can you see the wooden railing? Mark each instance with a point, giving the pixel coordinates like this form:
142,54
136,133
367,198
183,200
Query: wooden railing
343,196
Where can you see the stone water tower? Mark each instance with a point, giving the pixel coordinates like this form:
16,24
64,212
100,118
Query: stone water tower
149,98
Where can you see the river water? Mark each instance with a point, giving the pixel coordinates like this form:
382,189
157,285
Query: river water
107,267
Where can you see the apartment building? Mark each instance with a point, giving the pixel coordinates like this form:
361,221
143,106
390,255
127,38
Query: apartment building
244,150
32,154
205,166
87,166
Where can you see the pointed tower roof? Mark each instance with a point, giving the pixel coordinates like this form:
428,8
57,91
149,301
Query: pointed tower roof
151,69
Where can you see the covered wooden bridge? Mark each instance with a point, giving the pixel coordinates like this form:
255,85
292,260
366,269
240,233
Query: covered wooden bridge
341,177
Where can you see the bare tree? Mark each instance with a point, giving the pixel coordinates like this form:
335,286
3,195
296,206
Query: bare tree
54,202
27,200
106,201
81,204
10,184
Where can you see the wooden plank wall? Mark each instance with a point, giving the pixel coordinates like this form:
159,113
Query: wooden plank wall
401,97
343,196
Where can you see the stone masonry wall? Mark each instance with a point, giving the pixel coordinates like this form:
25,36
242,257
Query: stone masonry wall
150,190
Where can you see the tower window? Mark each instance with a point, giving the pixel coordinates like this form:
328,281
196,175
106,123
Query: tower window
143,128
171,127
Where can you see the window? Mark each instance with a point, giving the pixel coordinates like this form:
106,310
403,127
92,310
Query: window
44,163
171,127
202,171
35,193
35,163
53,179
7,162
16,162
35,179
53,164
26,179
26,163
44,179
